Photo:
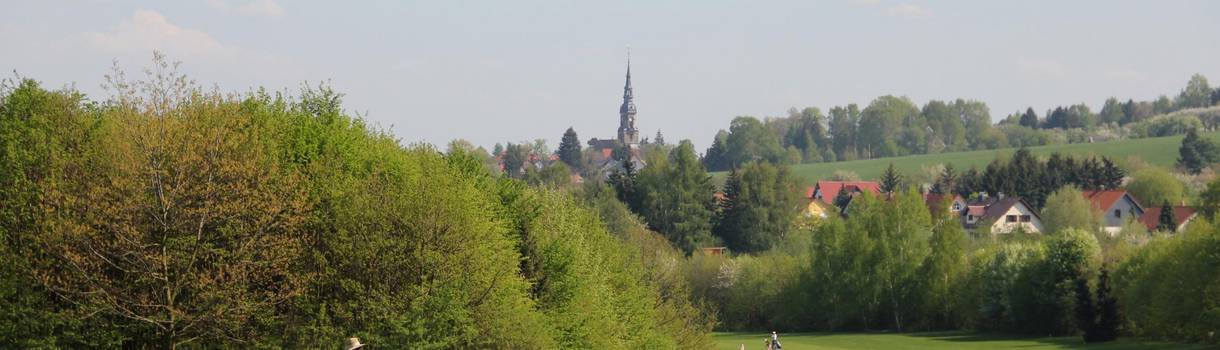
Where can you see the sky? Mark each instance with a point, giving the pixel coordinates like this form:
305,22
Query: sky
511,71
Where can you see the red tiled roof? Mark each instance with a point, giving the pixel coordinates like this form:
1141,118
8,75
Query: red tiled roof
976,210
830,189
1105,199
1152,216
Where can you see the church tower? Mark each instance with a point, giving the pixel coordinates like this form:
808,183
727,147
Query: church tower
627,133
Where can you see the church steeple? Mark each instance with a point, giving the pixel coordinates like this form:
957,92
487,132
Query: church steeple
627,133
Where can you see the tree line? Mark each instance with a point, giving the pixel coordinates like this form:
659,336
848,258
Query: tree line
170,216
892,265
892,126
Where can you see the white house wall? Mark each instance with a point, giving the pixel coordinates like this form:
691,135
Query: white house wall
1001,224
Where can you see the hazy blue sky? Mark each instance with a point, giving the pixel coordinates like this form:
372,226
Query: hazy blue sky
516,70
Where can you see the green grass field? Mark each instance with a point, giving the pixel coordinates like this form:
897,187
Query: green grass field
1160,151
951,340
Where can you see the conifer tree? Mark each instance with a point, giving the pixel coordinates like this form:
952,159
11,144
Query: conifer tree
1029,119
1108,319
1086,310
1195,153
891,180
1166,222
569,149
659,140
1111,175
842,200
946,183
623,182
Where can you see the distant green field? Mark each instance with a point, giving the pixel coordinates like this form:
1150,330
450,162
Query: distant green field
950,341
1161,151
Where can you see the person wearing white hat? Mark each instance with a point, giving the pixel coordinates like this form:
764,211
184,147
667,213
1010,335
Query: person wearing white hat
353,344
775,341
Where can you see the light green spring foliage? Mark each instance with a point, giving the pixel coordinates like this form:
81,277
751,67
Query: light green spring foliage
1154,186
401,246
1169,289
1067,208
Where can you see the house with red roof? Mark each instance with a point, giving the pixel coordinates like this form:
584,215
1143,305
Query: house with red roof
1182,215
1116,208
826,191
1001,215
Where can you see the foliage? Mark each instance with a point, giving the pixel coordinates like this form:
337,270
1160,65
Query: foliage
1166,221
1154,186
891,180
169,216
569,149
1196,153
674,197
1067,208
761,202
1186,311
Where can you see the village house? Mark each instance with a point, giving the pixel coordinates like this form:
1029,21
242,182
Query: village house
822,195
1182,215
1001,215
1116,207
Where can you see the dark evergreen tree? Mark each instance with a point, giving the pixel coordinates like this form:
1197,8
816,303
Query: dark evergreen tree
1029,119
842,199
1057,170
732,187
716,158
761,210
514,159
1090,174
1195,153
1166,222
676,198
623,182
968,183
946,183
1086,310
1111,174
891,180
994,179
1023,174
1129,112
659,140
1108,319
569,149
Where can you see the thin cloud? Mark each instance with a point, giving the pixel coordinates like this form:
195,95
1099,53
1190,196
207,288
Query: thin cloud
149,30
908,11
269,8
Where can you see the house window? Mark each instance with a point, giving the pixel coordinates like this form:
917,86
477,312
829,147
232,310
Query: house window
1118,213
1024,218
1012,218
957,207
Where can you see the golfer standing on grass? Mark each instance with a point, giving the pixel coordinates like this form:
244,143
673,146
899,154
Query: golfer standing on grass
775,341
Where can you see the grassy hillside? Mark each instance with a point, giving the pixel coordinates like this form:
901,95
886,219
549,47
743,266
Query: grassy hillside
1161,151
955,340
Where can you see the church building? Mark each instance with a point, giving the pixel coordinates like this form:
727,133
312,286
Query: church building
628,135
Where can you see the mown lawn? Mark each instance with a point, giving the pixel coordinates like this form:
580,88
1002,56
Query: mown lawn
1161,151
949,340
